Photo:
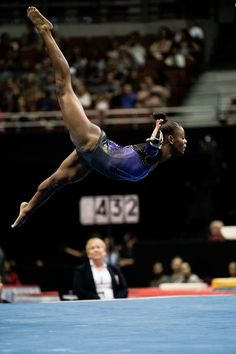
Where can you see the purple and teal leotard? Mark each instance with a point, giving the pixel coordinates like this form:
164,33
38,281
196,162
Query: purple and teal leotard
131,163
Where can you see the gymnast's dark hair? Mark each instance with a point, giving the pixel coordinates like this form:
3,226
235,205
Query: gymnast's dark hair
168,127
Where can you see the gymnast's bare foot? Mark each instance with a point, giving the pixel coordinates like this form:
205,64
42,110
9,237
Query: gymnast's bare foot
23,214
40,22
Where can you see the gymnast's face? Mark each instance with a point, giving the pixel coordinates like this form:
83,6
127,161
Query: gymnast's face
178,142
96,250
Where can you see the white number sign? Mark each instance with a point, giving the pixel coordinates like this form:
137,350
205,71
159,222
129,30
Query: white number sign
114,209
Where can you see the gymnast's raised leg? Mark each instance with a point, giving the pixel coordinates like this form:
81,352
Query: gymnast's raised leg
84,134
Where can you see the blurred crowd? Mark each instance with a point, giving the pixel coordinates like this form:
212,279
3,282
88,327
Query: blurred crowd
129,71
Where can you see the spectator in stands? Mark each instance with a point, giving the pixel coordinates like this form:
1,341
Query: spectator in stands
111,85
189,52
175,59
215,234
112,250
188,276
195,31
95,69
10,276
232,269
128,251
143,93
129,257
135,48
5,44
176,270
158,275
78,62
120,65
151,93
48,82
11,90
134,78
153,101
32,89
128,97
113,51
2,258
162,45
157,85
7,275
96,279
82,93
101,102
1,289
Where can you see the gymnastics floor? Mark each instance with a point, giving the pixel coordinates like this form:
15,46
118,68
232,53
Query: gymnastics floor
182,324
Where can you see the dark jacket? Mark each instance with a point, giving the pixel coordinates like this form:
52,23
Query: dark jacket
84,286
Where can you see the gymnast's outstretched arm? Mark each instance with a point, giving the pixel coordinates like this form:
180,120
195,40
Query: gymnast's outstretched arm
71,170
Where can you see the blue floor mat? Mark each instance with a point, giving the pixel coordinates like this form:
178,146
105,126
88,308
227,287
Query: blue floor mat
183,325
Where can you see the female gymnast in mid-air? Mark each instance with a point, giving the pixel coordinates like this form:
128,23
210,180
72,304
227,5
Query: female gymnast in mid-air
92,148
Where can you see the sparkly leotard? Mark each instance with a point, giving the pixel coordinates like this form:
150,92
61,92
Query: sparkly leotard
131,163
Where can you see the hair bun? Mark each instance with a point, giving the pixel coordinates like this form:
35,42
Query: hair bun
160,115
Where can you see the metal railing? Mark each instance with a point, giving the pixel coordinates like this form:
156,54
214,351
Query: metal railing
189,117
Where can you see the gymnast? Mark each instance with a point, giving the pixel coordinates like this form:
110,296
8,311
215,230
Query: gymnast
93,150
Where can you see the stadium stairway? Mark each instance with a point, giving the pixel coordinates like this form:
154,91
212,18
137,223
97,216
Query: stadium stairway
211,96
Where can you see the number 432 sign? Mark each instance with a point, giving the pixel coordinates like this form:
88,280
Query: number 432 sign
113,209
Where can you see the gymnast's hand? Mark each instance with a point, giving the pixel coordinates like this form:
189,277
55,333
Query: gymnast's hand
23,214
156,132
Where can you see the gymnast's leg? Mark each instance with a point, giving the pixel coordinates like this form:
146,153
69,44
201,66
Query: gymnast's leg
84,134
